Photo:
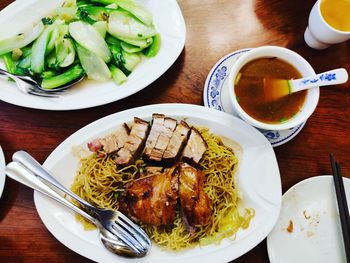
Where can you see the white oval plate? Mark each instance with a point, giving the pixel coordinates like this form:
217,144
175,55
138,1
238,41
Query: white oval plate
168,20
316,237
216,96
258,179
2,171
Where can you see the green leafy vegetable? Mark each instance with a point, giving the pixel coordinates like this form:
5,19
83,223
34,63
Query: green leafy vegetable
119,59
46,21
93,65
68,76
130,48
10,64
100,38
153,49
101,27
123,24
118,76
20,40
39,50
137,10
88,37
131,60
84,16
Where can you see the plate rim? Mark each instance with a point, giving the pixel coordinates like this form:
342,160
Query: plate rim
324,177
2,171
252,240
60,105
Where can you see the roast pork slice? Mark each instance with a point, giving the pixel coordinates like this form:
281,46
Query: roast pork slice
156,130
151,200
112,142
151,170
195,204
195,147
134,143
177,142
167,130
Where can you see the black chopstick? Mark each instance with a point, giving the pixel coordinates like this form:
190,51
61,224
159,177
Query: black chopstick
342,205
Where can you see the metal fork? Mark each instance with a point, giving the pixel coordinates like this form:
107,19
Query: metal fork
114,221
29,86
19,173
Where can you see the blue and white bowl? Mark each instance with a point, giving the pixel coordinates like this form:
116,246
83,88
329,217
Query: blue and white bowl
292,58
216,96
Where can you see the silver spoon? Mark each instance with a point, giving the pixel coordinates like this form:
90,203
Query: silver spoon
19,173
113,220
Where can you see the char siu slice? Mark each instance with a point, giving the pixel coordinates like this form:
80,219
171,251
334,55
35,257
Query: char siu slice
151,200
195,147
112,142
194,202
134,143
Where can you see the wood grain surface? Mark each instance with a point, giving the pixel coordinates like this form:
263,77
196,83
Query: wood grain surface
214,28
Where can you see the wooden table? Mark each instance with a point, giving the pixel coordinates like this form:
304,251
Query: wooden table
214,28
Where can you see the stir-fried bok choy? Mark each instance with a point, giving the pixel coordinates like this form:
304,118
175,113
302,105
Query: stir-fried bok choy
103,39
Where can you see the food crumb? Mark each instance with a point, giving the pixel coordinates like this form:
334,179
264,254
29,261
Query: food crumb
306,215
310,233
290,227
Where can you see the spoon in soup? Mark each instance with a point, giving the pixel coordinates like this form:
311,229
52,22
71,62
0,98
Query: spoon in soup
275,89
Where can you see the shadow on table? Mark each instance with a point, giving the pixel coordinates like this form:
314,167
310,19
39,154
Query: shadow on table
9,252
287,20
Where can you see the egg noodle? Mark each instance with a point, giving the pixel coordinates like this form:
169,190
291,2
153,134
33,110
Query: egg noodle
99,181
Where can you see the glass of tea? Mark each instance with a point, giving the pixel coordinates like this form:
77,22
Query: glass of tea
329,23
248,88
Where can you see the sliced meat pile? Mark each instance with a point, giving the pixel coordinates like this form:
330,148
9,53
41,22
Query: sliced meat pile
134,143
152,199
164,141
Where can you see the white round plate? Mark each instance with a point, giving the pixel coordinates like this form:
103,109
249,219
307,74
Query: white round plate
311,206
216,96
258,180
168,20
2,171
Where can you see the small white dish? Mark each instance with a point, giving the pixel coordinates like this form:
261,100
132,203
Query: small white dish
2,171
316,236
216,96
168,20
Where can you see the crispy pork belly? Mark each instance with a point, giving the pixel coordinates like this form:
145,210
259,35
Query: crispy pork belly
134,143
156,130
112,142
151,200
177,142
195,204
195,147
160,135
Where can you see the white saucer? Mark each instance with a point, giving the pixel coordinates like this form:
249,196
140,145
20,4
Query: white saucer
2,171
311,206
216,95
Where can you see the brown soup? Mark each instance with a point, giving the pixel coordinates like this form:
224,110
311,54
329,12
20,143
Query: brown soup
249,89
